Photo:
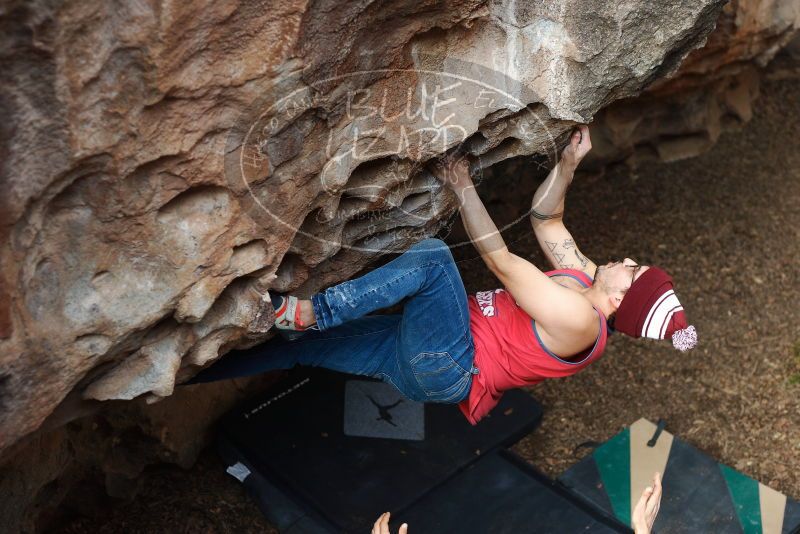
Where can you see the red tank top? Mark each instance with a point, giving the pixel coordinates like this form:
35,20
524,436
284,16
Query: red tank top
509,352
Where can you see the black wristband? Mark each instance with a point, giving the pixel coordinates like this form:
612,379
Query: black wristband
542,217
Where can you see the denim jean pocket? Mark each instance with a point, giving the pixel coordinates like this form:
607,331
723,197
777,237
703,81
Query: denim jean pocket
439,376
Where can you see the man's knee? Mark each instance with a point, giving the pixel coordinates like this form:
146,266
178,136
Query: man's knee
433,248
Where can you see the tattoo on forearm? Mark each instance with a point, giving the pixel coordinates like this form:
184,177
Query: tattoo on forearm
544,217
560,260
581,258
559,257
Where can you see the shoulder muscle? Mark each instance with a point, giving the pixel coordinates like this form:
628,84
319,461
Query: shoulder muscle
560,311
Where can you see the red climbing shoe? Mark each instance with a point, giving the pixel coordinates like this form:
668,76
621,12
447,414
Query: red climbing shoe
287,317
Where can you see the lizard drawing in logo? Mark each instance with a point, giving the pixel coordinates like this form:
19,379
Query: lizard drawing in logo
383,410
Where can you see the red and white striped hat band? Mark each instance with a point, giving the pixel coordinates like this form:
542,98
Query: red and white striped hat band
651,309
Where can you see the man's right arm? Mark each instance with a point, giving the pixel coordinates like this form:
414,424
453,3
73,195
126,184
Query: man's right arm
547,209
567,321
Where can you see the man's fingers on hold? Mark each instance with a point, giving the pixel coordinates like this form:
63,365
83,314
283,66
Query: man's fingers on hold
403,529
585,138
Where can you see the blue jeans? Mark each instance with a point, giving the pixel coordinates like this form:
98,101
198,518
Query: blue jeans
426,353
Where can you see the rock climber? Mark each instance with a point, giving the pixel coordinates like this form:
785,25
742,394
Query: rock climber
452,348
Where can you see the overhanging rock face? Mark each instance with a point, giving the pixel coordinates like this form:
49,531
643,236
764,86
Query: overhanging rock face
713,91
165,164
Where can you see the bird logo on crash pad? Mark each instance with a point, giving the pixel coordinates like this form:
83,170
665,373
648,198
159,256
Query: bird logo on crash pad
383,410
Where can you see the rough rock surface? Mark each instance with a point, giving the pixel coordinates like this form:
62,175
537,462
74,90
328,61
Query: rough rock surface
713,91
164,164
136,246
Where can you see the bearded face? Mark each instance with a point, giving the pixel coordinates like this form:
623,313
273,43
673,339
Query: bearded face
619,276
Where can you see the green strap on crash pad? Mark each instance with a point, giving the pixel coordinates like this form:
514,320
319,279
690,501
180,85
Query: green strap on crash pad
614,463
746,502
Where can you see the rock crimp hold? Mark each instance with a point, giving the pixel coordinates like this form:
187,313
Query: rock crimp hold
164,164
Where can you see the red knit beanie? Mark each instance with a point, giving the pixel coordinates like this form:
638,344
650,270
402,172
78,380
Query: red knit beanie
651,309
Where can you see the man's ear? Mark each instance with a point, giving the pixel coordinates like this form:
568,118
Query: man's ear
615,299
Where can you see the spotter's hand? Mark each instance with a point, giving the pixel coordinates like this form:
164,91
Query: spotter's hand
381,525
646,510
579,145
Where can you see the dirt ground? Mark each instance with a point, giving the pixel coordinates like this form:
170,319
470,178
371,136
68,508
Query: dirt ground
725,225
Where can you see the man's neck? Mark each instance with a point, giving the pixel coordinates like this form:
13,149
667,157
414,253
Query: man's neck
599,300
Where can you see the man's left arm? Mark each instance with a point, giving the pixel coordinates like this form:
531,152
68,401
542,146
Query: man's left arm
547,209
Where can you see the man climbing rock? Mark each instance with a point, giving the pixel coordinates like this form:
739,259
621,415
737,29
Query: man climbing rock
451,348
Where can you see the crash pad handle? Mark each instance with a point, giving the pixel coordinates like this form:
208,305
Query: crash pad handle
659,428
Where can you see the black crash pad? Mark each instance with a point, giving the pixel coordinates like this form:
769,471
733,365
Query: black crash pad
307,473
501,493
